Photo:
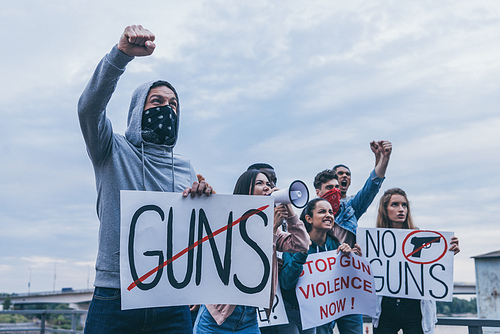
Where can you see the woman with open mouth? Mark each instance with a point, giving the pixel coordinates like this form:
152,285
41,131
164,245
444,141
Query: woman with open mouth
223,318
318,217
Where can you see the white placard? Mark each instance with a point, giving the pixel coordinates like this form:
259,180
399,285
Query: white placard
333,285
278,314
409,263
185,251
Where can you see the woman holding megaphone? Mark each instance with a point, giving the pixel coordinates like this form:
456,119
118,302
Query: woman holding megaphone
223,318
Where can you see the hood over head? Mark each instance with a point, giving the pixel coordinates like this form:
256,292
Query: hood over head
136,109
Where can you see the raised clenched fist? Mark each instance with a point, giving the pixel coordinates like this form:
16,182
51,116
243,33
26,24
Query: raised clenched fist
137,41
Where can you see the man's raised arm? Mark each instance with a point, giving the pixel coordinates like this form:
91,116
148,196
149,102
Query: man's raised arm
382,150
96,128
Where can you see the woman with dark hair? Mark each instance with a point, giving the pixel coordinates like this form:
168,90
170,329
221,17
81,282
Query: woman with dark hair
241,318
245,185
413,316
318,219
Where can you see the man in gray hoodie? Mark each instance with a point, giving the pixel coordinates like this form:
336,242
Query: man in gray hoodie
143,159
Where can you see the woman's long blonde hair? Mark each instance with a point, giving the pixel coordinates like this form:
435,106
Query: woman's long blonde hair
383,218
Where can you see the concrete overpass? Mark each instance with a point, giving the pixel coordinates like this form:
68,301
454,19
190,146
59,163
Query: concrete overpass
461,288
80,299
77,299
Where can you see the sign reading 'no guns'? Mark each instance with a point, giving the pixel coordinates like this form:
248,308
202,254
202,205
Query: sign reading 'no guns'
409,263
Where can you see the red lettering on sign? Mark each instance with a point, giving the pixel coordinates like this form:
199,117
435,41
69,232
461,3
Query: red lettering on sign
367,286
329,288
341,304
323,312
309,266
323,268
356,286
332,309
366,268
323,289
344,282
306,294
331,262
344,261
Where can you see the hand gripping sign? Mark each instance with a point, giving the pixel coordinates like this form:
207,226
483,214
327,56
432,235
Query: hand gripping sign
333,285
409,263
185,251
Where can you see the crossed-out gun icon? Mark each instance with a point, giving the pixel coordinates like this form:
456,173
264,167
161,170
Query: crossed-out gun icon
422,242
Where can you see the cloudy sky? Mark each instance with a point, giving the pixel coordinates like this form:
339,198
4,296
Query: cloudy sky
302,85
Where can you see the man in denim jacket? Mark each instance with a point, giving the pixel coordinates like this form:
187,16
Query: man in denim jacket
350,211
353,207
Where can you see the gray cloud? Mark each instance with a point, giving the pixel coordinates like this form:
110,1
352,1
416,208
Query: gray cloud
300,85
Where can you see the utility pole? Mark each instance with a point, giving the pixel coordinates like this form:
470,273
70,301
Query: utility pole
29,282
55,271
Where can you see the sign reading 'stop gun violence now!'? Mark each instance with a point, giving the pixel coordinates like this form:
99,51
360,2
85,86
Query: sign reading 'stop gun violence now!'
206,250
333,285
409,263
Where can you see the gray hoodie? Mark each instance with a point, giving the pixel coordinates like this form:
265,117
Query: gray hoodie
122,162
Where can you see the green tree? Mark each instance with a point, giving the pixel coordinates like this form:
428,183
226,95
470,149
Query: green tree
6,303
11,318
457,306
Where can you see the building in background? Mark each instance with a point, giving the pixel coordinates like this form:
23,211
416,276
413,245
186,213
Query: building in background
488,287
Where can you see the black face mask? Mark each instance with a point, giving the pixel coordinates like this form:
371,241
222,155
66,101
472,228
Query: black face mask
159,125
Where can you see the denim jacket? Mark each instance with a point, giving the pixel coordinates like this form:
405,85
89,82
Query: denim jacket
353,208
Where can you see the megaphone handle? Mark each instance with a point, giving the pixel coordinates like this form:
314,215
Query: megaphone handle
284,225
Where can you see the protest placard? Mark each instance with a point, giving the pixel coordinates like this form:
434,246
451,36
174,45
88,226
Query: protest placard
333,285
409,263
178,250
278,314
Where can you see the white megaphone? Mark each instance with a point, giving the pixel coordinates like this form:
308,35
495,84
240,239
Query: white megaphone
296,194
